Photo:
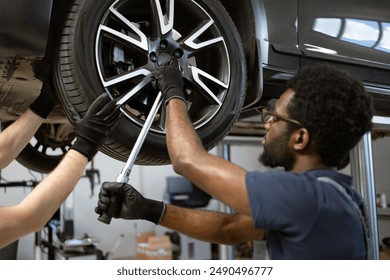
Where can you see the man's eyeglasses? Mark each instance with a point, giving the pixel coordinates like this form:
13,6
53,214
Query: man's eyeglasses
271,117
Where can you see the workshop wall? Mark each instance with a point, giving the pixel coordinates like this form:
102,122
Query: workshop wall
381,155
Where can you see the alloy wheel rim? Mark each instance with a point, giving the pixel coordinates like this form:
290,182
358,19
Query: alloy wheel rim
133,39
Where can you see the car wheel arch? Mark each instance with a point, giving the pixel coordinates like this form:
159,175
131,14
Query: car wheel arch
249,24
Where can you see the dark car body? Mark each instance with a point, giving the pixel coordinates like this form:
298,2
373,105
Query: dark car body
258,45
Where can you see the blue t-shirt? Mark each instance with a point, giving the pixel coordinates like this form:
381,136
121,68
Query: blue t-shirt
306,218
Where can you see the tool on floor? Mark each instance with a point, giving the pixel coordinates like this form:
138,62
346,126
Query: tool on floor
123,177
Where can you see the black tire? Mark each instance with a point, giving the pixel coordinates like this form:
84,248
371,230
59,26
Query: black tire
99,46
46,148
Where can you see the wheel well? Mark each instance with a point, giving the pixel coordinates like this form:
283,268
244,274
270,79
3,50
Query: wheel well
242,15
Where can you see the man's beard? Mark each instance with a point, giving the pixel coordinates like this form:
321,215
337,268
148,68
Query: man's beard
277,153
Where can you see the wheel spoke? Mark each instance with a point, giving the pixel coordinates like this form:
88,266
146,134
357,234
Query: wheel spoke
162,123
130,75
165,21
141,43
40,147
37,145
124,99
198,76
192,40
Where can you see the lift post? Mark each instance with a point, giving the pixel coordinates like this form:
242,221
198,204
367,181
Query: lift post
362,170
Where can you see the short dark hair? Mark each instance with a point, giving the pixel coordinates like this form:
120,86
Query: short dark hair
334,107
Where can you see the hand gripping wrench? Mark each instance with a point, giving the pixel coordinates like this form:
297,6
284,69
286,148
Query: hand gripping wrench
123,177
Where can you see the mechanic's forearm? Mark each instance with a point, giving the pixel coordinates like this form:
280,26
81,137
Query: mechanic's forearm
184,145
40,205
15,137
221,179
222,228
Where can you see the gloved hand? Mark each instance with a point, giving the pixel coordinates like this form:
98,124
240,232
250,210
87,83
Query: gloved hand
96,126
169,81
120,200
45,102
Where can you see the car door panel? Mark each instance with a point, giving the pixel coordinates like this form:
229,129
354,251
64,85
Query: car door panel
348,31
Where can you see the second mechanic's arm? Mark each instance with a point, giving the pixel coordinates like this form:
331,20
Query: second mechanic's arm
216,176
37,208
15,137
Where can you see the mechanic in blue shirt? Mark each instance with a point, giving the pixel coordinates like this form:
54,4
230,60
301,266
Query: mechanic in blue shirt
311,211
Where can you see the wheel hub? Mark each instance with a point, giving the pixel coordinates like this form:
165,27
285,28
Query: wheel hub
162,58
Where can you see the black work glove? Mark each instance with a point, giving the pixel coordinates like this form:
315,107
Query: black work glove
120,200
169,81
96,126
45,102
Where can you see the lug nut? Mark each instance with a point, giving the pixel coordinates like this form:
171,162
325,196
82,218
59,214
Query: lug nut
153,57
178,53
163,45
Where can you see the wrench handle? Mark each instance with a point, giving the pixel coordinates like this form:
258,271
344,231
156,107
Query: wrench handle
104,218
123,177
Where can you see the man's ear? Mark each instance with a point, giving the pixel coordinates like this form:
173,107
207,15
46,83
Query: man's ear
301,139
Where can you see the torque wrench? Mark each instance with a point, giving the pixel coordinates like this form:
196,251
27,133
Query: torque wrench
123,177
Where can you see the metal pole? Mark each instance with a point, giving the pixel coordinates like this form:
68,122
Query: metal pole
362,171
123,177
225,252
38,243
